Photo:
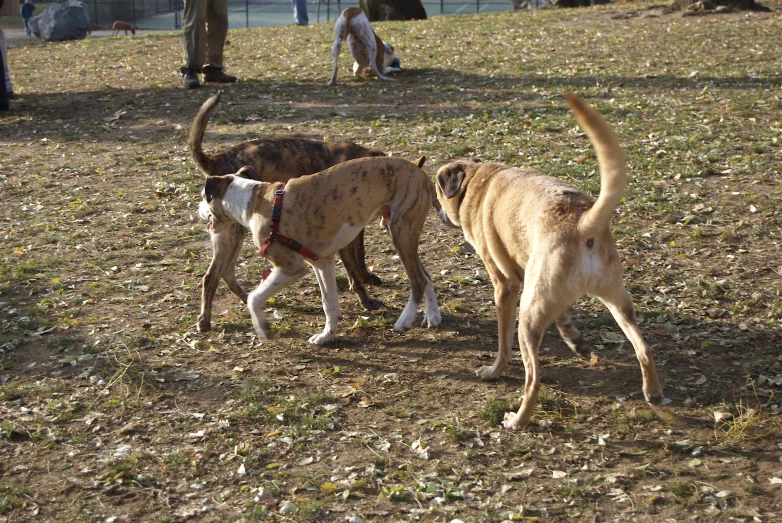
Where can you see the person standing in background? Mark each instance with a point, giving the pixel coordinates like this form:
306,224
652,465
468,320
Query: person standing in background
204,28
7,7
27,13
300,12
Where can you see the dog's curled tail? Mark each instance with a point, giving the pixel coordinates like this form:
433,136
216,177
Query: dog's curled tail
610,158
197,130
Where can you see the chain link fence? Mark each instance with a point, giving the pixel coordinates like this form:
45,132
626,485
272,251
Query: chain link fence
167,14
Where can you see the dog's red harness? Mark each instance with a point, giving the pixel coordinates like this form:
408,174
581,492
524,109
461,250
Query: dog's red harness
275,235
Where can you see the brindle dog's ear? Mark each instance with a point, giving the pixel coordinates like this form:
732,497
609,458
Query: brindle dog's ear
214,186
249,173
451,181
420,162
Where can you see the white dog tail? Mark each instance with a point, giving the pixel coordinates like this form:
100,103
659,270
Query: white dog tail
197,130
610,158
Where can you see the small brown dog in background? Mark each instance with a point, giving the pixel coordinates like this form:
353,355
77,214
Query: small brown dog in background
539,230
119,25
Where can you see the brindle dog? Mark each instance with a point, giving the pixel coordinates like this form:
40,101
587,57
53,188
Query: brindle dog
274,160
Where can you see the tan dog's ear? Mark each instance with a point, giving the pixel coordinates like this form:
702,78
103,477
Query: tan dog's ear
249,173
451,180
215,187
420,162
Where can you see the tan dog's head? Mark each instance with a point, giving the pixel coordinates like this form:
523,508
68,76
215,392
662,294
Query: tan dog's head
212,208
452,180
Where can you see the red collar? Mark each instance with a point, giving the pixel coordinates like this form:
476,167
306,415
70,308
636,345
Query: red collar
275,235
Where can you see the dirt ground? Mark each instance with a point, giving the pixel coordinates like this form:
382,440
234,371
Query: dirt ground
113,408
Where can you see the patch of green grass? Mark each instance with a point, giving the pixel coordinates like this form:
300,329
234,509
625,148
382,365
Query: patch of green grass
12,498
494,411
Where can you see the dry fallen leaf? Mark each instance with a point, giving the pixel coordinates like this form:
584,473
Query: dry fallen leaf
115,117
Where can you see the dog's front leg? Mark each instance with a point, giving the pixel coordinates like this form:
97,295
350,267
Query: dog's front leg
327,280
534,317
256,301
226,246
506,292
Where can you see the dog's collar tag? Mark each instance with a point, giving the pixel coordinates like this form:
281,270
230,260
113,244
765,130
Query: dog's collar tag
275,235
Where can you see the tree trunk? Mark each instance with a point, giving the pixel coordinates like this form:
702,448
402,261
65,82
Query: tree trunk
382,10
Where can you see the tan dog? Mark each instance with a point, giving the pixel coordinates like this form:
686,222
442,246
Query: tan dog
537,229
325,212
273,160
119,25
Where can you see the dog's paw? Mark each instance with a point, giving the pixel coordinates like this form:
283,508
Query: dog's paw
432,320
322,338
371,304
203,325
655,398
487,373
510,422
404,324
262,330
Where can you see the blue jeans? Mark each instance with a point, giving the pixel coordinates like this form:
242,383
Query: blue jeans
300,12
27,27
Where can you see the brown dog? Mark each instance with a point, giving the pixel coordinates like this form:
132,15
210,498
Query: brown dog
119,25
537,229
325,212
273,160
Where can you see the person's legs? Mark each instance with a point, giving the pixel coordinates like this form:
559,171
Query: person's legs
27,31
3,72
300,12
194,40
9,86
216,32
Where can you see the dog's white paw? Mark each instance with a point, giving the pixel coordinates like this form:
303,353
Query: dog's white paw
509,422
487,373
403,325
432,320
322,338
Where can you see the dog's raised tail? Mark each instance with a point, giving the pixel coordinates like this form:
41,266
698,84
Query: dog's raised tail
610,158
197,130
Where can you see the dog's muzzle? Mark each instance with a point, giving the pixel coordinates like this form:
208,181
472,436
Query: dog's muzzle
205,213
444,218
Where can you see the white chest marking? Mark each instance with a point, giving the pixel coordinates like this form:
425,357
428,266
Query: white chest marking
238,196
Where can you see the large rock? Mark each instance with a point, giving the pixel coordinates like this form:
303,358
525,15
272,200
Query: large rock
66,20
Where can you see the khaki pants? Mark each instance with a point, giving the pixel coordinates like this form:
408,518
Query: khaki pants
205,26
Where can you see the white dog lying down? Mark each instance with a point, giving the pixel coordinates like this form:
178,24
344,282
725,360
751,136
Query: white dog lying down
372,55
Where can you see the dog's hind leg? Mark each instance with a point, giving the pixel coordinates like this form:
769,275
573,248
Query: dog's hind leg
506,295
421,288
352,257
571,335
327,281
339,28
543,300
619,303
226,246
